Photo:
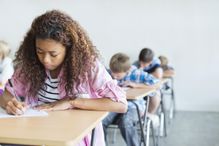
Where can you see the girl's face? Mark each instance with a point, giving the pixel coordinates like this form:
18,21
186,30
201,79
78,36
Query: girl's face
50,53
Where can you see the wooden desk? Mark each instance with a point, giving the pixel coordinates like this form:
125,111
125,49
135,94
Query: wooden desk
138,93
59,128
168,74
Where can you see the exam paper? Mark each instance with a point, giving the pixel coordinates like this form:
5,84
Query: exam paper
28,113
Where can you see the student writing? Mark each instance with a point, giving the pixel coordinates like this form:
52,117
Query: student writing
56,63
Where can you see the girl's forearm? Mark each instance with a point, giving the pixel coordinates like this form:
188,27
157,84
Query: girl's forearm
101,104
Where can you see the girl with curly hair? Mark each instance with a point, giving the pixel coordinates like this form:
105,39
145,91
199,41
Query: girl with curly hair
57,68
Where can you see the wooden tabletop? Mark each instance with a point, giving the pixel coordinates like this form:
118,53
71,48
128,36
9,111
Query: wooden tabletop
59,128
168,74
138,93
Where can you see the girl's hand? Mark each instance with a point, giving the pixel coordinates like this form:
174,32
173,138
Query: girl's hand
56,106
15,107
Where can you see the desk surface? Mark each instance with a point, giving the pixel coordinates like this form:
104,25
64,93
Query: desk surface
59,128
138,93
168,75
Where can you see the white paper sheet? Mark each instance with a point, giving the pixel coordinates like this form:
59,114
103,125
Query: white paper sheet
28,113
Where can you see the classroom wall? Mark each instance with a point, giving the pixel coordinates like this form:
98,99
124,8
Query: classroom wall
186,31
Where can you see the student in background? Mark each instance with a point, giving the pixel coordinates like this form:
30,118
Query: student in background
128,75
167,70
149,63
56,66
6,65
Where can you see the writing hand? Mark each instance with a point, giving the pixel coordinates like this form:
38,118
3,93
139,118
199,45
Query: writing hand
15,107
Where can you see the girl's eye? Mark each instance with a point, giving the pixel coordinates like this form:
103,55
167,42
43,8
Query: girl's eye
39,52
54,55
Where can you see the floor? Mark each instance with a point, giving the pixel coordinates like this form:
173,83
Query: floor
186,129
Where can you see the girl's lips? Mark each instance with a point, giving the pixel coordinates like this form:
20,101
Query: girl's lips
48,66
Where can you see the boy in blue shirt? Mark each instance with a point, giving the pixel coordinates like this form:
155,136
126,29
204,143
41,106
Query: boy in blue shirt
127,75
149,63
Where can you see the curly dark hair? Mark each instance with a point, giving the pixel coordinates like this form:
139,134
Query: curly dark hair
80,52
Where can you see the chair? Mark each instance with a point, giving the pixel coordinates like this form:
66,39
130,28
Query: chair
169,90
145,126
166,90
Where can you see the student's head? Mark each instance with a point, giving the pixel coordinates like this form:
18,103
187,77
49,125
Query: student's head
4,50
55,41
119,65
145,57
163,60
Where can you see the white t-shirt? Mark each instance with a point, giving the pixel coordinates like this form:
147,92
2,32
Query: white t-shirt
6,70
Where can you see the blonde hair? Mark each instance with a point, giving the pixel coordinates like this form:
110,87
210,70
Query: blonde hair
4,49
119,63
163,60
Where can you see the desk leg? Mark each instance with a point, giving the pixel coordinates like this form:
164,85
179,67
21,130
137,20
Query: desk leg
172,109
140,122
163,129
92,137
147,122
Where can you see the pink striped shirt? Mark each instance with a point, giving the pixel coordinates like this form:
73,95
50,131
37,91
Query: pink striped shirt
98,84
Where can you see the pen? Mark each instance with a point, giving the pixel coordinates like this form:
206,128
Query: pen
21,111
10,83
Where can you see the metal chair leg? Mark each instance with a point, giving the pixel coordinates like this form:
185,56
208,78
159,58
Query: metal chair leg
114,136
148,132
92,137
151,129
172,108
154,136
163,129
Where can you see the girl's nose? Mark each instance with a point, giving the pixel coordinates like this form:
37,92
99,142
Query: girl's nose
46,59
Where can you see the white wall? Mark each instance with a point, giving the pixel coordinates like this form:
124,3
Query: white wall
184,30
